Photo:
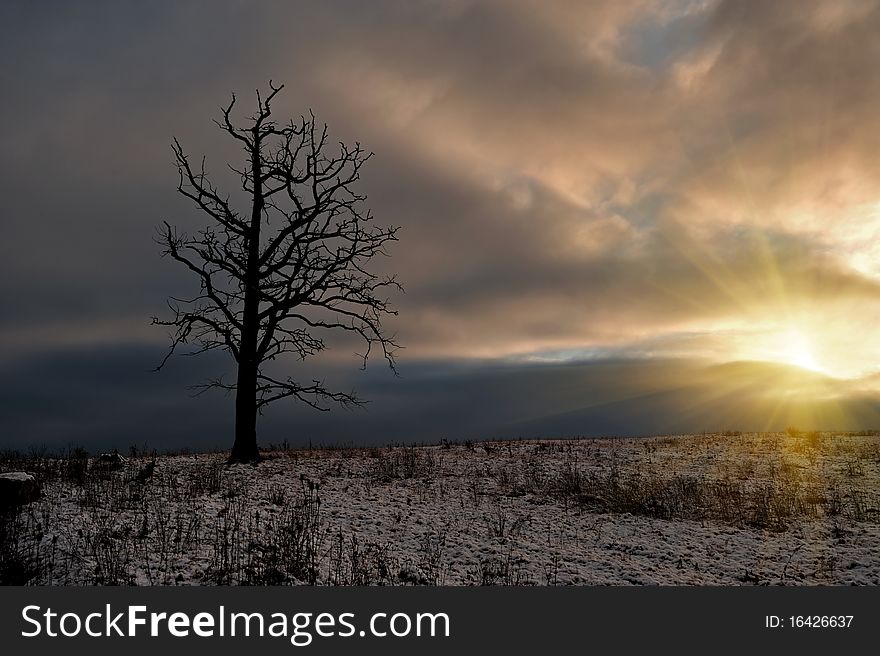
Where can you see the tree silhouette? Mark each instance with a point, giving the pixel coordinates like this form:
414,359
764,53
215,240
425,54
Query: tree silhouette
274,278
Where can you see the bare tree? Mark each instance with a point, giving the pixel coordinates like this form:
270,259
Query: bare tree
274,277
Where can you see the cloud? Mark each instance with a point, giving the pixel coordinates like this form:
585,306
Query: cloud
592,179
659,179
107,398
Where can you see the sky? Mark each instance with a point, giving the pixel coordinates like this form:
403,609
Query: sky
617,217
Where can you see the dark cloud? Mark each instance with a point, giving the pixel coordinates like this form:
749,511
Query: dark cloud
642,179
109,398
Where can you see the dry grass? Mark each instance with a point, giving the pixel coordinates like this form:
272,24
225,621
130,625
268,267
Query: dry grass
168,520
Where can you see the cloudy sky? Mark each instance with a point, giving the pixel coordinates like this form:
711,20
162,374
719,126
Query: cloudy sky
618,217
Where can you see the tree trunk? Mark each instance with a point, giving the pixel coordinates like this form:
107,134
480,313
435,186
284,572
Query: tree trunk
244,448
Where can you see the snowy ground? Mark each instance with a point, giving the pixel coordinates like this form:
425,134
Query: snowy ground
705,509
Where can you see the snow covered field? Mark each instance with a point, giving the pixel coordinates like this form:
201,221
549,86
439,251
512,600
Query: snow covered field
704,509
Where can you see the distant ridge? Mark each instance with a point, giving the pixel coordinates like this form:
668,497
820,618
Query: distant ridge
741,395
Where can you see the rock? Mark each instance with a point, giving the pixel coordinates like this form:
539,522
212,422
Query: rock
17,489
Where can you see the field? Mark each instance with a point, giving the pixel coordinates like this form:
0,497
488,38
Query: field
765,509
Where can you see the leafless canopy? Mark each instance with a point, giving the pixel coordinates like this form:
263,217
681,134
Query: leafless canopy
274,277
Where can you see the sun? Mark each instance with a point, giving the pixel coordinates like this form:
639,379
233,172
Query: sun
792,346
795,349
